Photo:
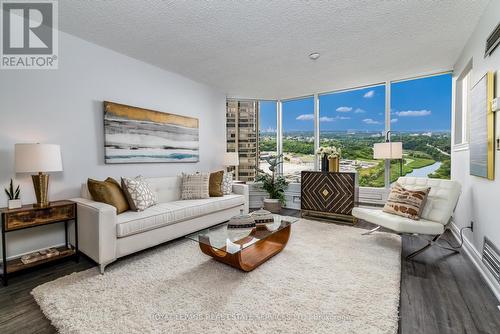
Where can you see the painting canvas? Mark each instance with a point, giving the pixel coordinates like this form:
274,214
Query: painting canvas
482,129
136,135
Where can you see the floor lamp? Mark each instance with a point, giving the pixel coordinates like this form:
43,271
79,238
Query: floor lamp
390,151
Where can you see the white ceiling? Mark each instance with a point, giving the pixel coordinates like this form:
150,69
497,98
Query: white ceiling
260,48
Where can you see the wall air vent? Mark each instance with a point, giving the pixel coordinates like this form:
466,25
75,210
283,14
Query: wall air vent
492,41
491,258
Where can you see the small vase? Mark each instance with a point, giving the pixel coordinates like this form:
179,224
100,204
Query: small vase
324,163
334,165
15,204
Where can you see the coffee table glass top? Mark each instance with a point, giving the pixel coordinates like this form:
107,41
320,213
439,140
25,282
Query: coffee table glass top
234,240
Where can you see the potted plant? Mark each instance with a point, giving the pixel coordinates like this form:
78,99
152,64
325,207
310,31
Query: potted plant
274,185
13,196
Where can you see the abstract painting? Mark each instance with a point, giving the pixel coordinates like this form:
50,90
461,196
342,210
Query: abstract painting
482,144
136,135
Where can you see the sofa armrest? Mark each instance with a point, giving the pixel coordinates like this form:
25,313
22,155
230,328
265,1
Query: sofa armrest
243,189
96,230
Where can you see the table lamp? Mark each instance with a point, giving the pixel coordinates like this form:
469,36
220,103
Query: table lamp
41,159
231,159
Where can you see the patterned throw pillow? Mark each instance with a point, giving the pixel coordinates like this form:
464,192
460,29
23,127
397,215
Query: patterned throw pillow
406,203
195,186
227,183
139,193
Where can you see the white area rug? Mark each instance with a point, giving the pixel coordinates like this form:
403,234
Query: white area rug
329,279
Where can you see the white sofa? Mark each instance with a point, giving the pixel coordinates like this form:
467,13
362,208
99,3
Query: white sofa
105,236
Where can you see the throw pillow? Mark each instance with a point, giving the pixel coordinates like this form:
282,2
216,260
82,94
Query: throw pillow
139,194
406,203
227,183
109,192
215,184
195,186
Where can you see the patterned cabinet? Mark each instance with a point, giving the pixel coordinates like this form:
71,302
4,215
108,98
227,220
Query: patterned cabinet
328,195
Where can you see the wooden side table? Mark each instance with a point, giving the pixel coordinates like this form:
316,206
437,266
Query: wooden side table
30,216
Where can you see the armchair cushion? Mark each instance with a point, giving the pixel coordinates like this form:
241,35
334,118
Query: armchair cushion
398,223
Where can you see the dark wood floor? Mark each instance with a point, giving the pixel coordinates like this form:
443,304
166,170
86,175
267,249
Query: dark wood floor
439,294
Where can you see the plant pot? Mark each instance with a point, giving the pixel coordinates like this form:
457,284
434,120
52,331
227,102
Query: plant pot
15,204
334,165
272,205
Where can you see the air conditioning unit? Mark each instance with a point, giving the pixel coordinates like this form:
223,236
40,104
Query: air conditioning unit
492,41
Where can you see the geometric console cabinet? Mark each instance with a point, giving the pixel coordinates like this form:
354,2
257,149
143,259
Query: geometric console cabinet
329,196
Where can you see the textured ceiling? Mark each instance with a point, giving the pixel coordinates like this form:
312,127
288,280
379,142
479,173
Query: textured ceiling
260,48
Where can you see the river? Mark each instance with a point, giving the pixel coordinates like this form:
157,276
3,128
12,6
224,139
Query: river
424,171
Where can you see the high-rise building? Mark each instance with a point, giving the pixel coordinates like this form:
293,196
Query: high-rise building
241,125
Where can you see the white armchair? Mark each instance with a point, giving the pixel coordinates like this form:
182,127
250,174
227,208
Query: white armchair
435,218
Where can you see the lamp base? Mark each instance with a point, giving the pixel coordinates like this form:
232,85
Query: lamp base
41,185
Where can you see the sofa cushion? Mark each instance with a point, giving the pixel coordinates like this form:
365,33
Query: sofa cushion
164,214
398,223
109,192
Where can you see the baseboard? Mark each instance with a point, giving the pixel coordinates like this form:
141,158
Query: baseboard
475,257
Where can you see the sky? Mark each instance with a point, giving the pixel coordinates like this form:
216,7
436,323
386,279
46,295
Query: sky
416,105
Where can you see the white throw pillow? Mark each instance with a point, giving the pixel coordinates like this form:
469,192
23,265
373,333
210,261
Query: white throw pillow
227,183
195,186
138,193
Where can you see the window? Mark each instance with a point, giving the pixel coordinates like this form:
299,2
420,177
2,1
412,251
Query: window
462,107
298,137
421,119
354,120
268,125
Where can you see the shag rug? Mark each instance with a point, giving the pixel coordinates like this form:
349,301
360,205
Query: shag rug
328,279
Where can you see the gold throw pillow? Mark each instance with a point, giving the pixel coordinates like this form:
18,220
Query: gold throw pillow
109,192
215,184
406,203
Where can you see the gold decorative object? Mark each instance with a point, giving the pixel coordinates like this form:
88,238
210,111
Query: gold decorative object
334,165
41,185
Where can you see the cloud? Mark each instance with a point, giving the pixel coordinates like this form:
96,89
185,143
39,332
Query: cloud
326,119
369,94
370,121
305,117
342,117
394,120
344,109
413,113
359,111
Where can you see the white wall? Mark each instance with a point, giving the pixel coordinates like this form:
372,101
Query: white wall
480,198
64,107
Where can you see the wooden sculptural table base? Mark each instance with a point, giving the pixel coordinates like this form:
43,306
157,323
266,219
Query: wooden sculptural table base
252,256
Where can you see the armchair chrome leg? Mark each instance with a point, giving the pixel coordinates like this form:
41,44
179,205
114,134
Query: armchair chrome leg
433,242
371,231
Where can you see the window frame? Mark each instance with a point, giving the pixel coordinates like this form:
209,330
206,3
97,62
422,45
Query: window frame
464,121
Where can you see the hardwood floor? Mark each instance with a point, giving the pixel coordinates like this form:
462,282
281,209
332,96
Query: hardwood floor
439,294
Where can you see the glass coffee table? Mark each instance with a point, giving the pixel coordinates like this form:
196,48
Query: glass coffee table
245,248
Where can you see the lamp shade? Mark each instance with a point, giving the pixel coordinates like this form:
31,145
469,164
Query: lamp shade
35,158
388,150
231,159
